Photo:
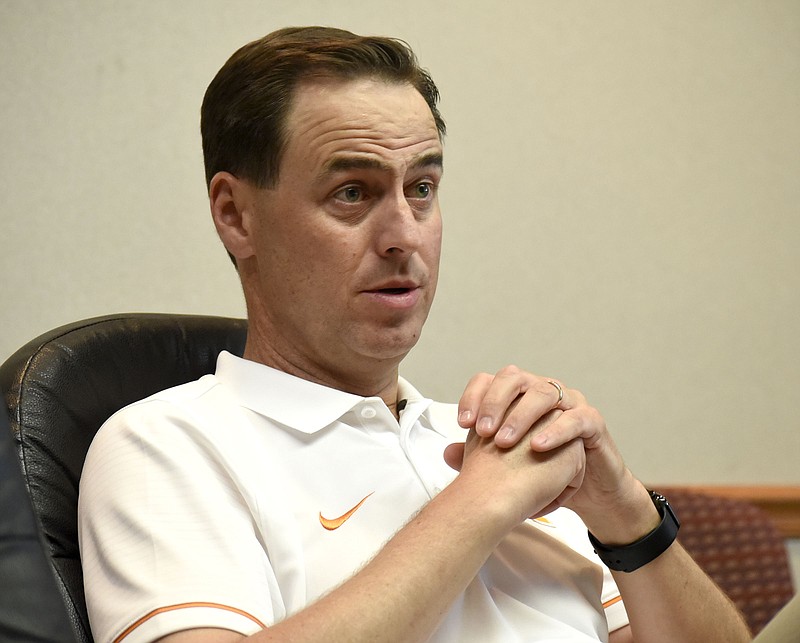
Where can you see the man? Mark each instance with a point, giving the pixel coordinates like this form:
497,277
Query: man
302,493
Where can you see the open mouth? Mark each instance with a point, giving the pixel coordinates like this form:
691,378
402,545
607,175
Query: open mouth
394,291
396,296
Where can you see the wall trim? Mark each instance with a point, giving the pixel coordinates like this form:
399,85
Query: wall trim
782,503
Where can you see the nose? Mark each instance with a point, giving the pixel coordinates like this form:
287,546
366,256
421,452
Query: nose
398,228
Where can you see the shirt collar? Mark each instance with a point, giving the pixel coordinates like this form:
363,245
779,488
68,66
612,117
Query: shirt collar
417,407
293,401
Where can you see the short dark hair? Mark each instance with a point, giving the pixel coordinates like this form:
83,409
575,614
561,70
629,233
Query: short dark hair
245,107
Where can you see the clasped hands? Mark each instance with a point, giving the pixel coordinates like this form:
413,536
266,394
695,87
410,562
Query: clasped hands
535,450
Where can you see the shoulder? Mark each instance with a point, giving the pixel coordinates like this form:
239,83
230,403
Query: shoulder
176,443
191,417
191,400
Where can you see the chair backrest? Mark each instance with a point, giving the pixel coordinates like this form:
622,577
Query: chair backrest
62,386
739,547
784,627
31,608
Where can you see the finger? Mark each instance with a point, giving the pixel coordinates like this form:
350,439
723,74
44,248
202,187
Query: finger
569,490
542,397
571,397
454,455
584,422
507,386
523,422
471,398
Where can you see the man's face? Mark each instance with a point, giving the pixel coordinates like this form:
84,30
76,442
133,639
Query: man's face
347,244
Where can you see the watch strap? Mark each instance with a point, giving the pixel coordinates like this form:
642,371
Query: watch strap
628,558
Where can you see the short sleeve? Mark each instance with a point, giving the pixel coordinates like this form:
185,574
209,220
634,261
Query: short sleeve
167,540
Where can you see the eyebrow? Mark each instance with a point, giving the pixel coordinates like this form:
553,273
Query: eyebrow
344,163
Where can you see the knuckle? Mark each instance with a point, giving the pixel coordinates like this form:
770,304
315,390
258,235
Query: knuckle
476,387
483,379
509,371
594,417
588,420
544,387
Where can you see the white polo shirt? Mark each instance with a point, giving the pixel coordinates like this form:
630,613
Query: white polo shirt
237,500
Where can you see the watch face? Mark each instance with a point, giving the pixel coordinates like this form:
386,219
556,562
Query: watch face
672,513
664,508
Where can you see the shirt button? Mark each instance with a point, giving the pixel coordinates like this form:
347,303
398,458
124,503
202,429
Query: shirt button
368,412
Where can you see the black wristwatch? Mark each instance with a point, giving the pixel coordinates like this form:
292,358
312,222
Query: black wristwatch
628,558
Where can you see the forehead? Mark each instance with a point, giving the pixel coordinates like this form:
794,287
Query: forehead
370,117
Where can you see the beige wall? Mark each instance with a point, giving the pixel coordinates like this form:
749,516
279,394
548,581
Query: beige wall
621,197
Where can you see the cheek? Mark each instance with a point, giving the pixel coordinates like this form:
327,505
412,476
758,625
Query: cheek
329,265
334,250
433,247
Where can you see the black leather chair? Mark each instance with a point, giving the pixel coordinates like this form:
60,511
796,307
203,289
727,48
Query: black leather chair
62,386
31,608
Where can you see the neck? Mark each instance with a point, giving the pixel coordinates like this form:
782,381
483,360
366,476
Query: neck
378,381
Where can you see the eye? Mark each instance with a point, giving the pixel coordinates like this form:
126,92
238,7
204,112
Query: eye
350,194
422,190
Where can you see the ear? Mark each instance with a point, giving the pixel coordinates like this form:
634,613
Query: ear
231,202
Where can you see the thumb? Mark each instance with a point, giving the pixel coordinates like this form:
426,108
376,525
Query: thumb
454,455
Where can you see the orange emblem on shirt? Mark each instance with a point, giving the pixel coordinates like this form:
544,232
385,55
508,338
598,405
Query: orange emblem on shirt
334,523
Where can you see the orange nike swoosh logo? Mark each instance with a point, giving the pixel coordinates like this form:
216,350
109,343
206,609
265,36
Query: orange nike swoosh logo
334,523
544,521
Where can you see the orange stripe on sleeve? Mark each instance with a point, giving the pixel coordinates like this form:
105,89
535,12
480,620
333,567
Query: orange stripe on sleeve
611,602
180,606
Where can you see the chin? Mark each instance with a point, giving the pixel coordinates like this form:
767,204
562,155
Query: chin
385,341
391,346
